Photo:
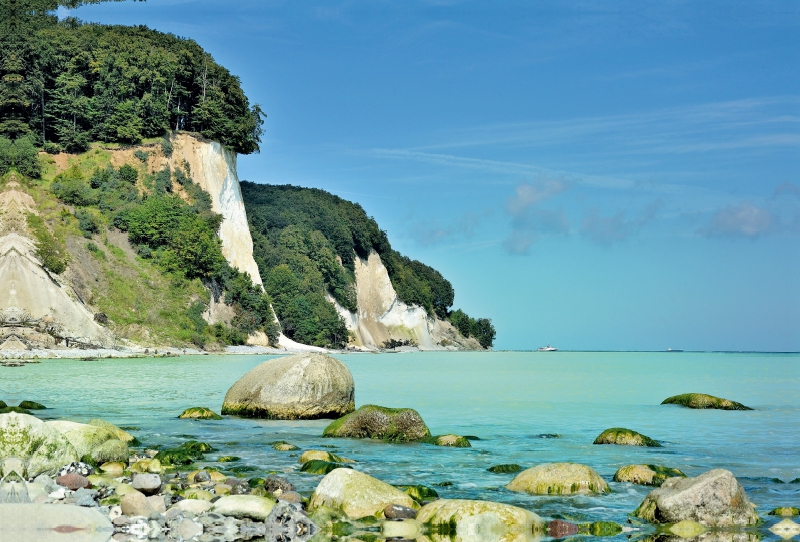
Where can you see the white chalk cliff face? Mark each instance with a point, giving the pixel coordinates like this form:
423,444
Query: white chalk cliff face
213,167
381,316
36,308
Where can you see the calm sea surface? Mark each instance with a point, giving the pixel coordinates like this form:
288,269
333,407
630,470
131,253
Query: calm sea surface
513,401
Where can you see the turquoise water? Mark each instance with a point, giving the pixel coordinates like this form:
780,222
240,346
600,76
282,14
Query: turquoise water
508,399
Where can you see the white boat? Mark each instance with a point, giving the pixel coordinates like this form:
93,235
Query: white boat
547,348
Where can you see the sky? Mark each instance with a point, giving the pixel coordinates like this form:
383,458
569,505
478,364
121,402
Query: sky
590,175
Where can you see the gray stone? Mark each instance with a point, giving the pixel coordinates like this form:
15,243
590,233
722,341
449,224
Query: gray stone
397,511
244,506
303,386
136,504
356,494
714,499
287,522
149,484
188,529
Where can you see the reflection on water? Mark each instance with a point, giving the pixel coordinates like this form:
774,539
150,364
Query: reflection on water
527,409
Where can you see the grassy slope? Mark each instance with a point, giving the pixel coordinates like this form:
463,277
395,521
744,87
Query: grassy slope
143,304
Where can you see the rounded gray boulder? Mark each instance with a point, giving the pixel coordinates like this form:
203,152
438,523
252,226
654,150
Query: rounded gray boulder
304,386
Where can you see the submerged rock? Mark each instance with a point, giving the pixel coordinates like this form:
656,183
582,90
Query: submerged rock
786,511
702,400
317,466
713,499
357,494
454,441
372,421
283,446
508,468
299,387
646,475
625,437
199,413
559,479
31,405
486,519
41,448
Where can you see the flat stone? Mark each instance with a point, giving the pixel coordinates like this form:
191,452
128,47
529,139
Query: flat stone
244,506
136,504
195,506
53,523
73,481
157,504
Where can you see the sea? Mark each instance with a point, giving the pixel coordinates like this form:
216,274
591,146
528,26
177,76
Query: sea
527,408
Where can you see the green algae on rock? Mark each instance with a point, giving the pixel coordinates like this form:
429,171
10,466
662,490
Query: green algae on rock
16,410
508,468
625,437
122,435
646,475
304,386
185,454
785,511
372,421
84,437
42,448
318,466
419,492
559,479
448,516
283,446
714,499
31,405
199,413
228,459
321,455
600,528
356,494
113,450
452,441
702,400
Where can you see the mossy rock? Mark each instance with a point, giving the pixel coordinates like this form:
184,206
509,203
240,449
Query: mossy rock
42,448
199,413
316,466
453,441
372,421
113,450
255,482
320,455
646,475
419,492
453,518
16,409
118,432
283,446
32,405
785,511
228,459
506,468
600,528
243,469
559,479
625,437
185,454
702,400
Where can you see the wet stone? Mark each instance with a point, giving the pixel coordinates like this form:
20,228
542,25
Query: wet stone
559,528
397,511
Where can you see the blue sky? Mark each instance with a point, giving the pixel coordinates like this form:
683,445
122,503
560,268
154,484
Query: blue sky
593,175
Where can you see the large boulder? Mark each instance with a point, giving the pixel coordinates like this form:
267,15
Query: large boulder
625,437
53,523
480,520
83,437
42,449
702,400
646,475
713,499
356,494
304,386
559,479
244,506
372,421
122,435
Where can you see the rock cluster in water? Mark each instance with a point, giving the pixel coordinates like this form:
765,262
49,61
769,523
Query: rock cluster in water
702,401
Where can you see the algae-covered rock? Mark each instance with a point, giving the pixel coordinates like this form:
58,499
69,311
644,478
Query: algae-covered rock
453,441
559,479
687,529
317,466
508,468
15,410
113,468
356,494
485,519
83,437
600,528
122,435
625,437
42,448
283,446
31,405
715,499
228,459
372,421
185,454
419,492
646,475
785,528
244,506
300,387
321,455
110,451
702,400
786,511
199,413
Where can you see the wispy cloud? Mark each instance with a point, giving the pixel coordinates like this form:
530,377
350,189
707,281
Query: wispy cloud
606,230
786,189
432,232
744,220
528,220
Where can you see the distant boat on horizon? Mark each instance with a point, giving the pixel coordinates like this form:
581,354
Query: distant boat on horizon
674,350
547,348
